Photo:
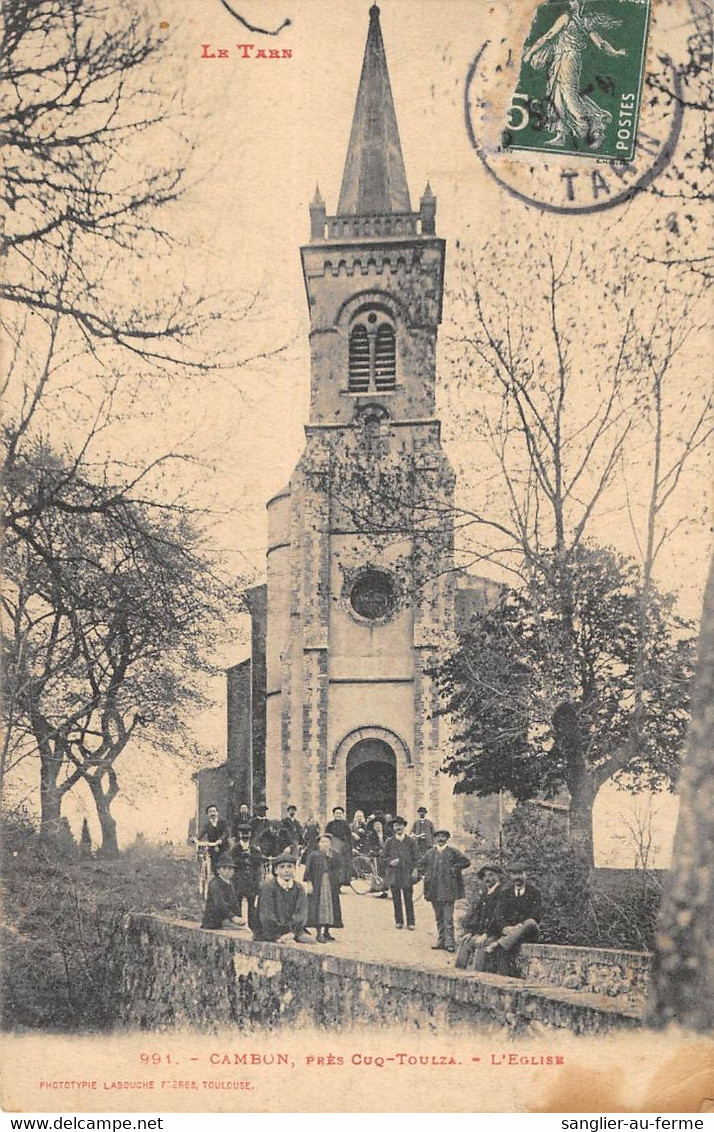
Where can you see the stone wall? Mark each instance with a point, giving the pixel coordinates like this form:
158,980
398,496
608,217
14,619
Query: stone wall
601,971
177,975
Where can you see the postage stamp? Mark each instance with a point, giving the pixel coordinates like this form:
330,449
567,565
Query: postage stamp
580,79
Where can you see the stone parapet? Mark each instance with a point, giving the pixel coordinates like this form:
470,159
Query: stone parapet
595,970
177,975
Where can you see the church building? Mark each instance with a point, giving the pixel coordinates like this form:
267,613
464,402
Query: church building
336,704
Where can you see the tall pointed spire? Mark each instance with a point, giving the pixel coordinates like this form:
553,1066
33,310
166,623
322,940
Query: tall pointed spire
374,182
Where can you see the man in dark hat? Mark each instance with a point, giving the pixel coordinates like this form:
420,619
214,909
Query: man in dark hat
248,875
242,818
479,922
516,919
399,860
341,835
262,834
442,868
282,905
222,909
423,830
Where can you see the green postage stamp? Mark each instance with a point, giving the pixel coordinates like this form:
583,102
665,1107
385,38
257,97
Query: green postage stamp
581,78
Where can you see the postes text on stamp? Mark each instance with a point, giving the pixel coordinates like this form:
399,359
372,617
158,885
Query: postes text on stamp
580,79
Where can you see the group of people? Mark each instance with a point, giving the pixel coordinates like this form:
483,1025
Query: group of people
256,864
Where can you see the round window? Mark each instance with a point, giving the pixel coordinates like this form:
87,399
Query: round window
373,595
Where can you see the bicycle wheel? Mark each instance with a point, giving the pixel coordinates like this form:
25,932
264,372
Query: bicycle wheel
362,875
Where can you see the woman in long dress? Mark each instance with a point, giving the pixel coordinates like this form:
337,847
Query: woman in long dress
560,51
322,873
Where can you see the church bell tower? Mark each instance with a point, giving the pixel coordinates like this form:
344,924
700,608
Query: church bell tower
359,563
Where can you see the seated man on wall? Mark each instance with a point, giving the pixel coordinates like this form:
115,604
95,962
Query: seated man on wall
479,922
222,907
518,913
282,905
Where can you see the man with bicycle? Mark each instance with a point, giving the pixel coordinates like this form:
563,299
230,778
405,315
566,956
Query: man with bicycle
213,837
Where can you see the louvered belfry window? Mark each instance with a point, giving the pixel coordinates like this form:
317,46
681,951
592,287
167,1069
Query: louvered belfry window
360,359
372,356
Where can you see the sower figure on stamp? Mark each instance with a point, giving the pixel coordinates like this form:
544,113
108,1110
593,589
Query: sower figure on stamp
222,909
400,859
479,923
442,868
282,905
248,874
518,913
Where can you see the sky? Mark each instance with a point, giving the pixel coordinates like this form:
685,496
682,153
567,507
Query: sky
265,132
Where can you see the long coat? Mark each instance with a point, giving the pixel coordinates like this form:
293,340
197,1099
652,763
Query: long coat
406,849
249,870
443,875
339,828
319,864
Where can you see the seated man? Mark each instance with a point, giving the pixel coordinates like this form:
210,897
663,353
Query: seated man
282,905
478,923
516,919
222,908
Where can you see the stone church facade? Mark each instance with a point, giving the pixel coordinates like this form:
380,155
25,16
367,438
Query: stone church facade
336,704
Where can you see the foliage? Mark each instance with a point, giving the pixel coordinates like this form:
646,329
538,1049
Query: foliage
62,926
111,605
519,671
577,908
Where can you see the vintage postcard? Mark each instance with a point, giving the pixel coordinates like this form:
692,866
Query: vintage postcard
357,460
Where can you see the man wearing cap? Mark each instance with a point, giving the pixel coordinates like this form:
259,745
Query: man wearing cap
399,860
291,831
282,905
442,868
516,919
248,862
479,922
423,830
222,909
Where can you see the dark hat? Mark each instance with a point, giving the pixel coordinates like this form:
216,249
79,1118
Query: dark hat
398,821
285,859
518,866
336,808
244,829
289,808
225,861
446,832
487,868
261,809
422,810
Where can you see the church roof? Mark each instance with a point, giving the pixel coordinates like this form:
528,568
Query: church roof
374,182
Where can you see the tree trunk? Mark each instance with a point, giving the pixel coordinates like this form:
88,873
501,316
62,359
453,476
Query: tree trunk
50,793
683,968
103,802
582,798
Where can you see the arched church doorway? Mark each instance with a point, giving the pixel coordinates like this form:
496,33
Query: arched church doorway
371,778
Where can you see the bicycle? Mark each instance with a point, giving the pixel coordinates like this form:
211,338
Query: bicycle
204,869
365,879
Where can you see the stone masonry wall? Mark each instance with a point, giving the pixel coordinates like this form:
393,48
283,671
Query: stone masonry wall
602,971
177,975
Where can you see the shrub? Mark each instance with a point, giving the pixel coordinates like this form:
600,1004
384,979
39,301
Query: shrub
62,938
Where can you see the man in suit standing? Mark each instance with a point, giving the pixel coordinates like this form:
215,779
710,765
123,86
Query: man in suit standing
248,861
291,831
442,868
423,830
517,916
400,858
